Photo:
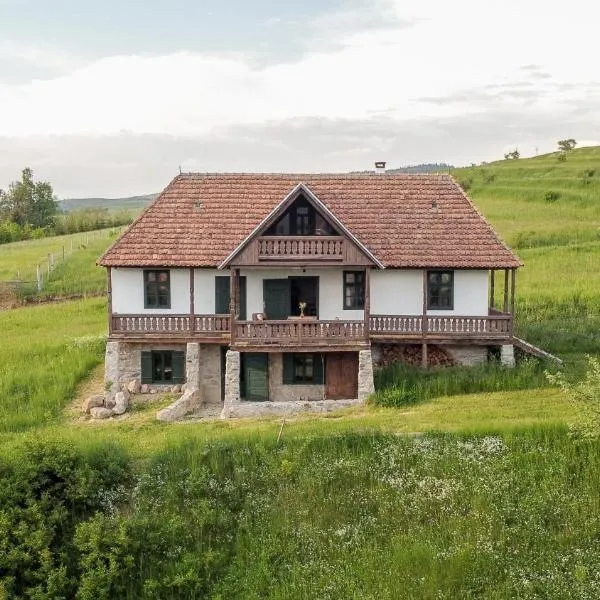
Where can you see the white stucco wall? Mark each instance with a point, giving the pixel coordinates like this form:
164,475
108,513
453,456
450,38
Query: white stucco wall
204,290
400,292
330,291
128,292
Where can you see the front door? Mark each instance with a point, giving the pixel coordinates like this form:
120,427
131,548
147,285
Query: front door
255,376
276,294
341,375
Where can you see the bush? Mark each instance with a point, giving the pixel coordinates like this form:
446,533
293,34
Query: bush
466,183
551,196
46,489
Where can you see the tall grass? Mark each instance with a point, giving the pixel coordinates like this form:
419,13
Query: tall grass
45,352
400,385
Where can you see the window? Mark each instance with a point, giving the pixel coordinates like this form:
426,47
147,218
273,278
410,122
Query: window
302,368
157,289
354,290
163,366
440,290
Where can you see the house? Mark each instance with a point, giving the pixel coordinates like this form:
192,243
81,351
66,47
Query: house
287,287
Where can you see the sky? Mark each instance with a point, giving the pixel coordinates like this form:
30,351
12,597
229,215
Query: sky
112,98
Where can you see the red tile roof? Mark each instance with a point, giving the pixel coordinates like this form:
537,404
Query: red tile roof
404,220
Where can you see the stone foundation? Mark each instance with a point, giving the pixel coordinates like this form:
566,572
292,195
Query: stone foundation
469,356
366,384
232,383
281,392
507,356
265,409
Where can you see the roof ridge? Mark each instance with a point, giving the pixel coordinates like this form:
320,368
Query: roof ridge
330,175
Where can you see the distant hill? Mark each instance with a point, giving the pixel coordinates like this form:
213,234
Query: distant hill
423,168
130,203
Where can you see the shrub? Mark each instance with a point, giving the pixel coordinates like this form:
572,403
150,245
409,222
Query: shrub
466,183
586,395
551,196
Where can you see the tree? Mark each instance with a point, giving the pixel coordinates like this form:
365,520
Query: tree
28,202
513,155
566,145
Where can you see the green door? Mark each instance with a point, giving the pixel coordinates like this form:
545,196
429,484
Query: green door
276,295
222,296
256,378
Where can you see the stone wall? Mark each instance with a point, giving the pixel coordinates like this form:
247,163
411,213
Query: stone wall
210,373
280,392
468,356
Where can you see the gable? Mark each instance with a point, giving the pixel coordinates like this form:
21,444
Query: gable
302,244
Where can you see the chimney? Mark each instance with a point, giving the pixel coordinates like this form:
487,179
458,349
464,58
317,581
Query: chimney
380,166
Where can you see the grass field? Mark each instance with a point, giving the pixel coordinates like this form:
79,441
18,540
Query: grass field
445,495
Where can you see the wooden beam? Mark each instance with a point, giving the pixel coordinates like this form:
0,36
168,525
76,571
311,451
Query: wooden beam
109,295
232,303
367,308
513,280
505,309
424,322
492,290
192,292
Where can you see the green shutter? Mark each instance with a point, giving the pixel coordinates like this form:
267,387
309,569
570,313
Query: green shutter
242,298
222,295
146,368
276,295
256,376
288,369
318,360
178,365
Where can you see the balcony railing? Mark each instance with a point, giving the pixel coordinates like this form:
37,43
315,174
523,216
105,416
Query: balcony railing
491,326
171,325
322,248
299,332
311,332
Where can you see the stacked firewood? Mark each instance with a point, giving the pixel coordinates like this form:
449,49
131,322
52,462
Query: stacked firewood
412,354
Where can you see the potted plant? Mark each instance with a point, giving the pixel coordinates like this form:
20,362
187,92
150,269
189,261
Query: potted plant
302,306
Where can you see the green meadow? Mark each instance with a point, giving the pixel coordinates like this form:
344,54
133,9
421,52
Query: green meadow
454,484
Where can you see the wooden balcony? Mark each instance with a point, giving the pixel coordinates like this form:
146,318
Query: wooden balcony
170,326
300,333
312,333
305,248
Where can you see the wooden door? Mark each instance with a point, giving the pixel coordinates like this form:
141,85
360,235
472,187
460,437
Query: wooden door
256,376
341,375
276,295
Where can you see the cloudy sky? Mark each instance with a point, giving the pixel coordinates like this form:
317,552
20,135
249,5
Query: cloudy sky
110,98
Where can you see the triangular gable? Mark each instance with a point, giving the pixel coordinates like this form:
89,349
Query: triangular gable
279,210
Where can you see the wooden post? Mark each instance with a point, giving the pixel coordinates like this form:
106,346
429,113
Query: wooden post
38,278
367,307
109,294
424,325
232,301
192,292
505,290
513,281
63,254
492,290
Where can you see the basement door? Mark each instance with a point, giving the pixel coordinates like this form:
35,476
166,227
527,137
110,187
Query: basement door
341,375
255,376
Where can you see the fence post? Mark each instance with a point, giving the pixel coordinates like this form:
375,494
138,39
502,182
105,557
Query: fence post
38,277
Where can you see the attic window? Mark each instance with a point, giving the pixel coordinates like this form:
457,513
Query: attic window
301,218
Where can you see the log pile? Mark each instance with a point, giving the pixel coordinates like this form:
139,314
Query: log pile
412,354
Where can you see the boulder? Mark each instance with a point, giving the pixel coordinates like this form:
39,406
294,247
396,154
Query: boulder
133,387
125,392
144,388
101,412
92,402
121,403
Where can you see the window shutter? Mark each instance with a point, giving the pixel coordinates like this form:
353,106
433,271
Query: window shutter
288,369
318,360
222,295
178,365
146,368
242,298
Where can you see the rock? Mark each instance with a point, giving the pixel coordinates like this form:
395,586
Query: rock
184,387
125,392
101,412
92,402
121,403
133,387
144,388
153,391
176,389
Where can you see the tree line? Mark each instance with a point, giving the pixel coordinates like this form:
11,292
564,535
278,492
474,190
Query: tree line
29,210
